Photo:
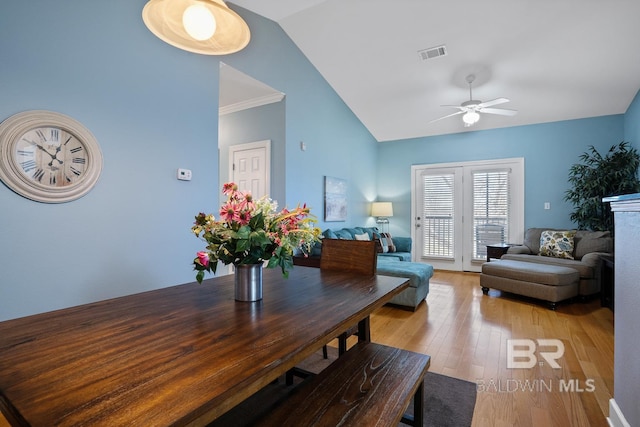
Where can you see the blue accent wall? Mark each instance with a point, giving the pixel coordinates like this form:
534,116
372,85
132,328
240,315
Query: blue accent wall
548,150
632,122
154,108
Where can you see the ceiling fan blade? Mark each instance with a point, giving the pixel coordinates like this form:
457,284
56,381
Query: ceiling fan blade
493,102
500,111
455,106
448,115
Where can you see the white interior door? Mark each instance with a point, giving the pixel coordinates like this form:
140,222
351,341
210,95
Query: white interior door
249,167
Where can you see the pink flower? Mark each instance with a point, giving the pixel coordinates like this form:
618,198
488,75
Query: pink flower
203,257
228,213
229,188
245,201
244,217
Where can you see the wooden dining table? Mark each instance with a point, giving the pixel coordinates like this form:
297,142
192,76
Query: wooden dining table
182,355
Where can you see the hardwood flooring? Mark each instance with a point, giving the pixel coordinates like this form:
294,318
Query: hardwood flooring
466,333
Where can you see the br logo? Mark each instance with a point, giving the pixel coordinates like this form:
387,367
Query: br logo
521,353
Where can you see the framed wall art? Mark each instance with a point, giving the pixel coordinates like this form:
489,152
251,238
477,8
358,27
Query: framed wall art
335,199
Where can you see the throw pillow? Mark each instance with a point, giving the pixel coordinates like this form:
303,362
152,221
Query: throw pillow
558,244
363,236
386,238
382,246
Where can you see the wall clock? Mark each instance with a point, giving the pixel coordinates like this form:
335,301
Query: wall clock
48,157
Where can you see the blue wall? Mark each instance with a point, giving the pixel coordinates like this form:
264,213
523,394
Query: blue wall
153,109
549,151
632,122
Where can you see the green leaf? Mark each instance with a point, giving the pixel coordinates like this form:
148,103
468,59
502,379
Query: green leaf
600,176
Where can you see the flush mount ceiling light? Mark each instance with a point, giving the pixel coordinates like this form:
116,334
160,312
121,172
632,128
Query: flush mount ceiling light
207,27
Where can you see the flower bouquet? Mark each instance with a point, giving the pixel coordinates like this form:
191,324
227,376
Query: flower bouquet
252,231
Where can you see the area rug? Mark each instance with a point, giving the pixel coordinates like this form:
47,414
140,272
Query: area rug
448,402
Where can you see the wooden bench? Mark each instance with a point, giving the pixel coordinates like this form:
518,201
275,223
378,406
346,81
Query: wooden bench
371,384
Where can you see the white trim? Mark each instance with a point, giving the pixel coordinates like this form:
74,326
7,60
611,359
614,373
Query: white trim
251,103
626,206
616,417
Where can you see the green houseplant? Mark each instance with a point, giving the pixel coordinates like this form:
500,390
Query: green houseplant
599,176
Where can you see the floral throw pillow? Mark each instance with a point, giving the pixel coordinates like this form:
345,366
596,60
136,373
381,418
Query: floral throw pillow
558,244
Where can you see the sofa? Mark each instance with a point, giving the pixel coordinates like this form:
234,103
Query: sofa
394,261
398,248
551,264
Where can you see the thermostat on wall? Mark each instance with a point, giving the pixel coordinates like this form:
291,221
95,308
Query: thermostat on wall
184,174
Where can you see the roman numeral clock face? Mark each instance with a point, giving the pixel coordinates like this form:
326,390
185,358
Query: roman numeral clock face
51,156
48,157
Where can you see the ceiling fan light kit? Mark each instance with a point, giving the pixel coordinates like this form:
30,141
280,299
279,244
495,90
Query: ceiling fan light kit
470,118
206,27
472,108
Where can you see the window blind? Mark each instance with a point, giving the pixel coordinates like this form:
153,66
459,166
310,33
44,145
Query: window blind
491,202
438,215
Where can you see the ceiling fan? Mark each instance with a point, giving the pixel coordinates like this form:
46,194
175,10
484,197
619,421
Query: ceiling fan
472,108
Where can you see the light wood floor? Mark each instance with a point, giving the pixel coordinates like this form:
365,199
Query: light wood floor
466,332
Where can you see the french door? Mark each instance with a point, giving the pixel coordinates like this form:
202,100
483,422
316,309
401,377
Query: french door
458,209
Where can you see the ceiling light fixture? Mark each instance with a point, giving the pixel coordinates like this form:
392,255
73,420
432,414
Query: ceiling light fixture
207,27
470,118
198,22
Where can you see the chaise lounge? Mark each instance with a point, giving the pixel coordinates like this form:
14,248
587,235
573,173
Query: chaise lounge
551,265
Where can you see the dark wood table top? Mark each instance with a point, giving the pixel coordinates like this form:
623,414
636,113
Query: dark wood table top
174,356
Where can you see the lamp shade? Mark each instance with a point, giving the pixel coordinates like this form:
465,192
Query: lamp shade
382,209
213,28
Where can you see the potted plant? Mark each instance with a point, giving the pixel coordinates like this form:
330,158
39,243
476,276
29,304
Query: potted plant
248,233
601,176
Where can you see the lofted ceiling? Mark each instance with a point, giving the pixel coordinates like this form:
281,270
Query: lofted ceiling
555,60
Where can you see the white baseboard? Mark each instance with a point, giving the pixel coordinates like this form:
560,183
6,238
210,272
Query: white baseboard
616,418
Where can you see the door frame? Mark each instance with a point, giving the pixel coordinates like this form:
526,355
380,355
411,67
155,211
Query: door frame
516,227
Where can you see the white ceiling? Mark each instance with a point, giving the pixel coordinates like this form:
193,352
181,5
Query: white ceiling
239,91
555,60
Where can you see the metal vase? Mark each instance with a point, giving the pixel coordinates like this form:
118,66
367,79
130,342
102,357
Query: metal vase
248,282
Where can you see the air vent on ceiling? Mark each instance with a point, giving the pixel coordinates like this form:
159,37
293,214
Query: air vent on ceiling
432,52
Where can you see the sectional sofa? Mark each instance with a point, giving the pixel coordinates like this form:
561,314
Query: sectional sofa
391,262
551,265
398,248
